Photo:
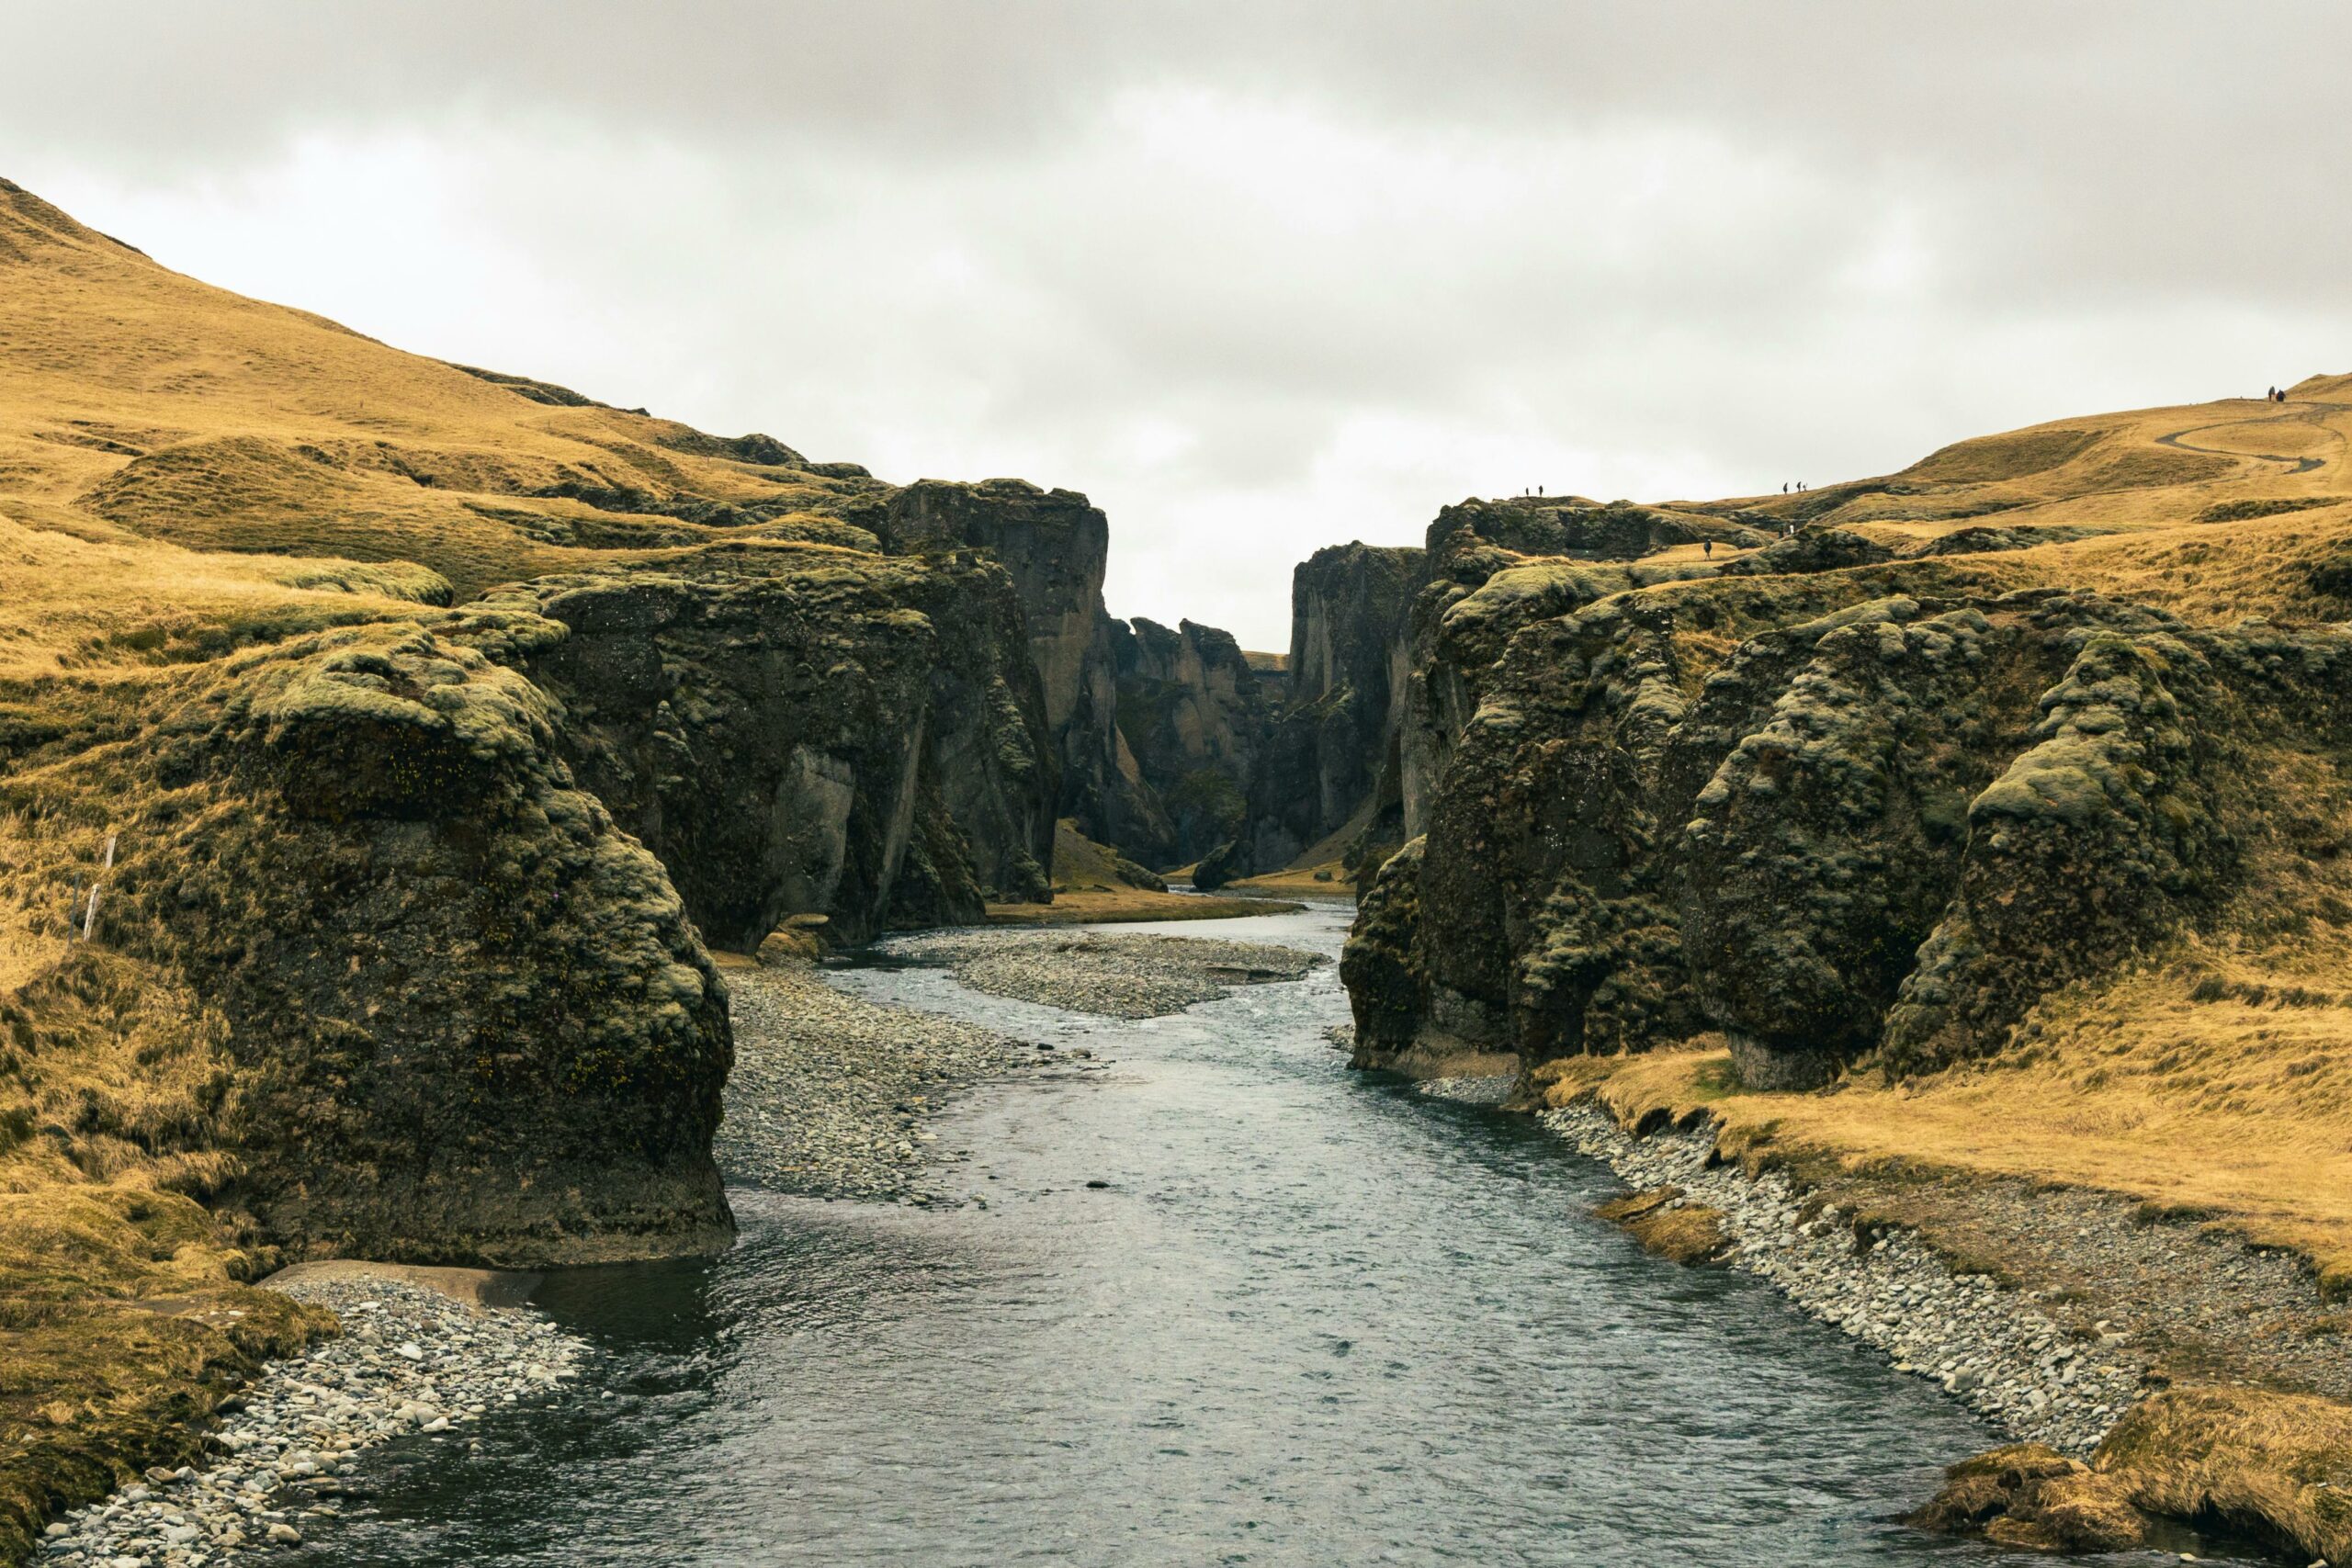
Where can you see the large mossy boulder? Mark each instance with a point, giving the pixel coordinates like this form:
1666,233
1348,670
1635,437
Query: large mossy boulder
455,1013
1873,812
1810,550
1381,966
800,732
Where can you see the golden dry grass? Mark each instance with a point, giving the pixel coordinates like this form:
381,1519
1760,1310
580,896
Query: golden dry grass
2276,1464
2168,490
136,401
123,1314
2233,1108
1098,905
1328,879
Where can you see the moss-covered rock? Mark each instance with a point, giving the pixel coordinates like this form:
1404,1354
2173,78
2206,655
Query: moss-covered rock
1825,845
807,732
1381,966
460,1015
1832,814
1810,550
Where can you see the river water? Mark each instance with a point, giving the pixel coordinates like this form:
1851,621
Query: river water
1310,1319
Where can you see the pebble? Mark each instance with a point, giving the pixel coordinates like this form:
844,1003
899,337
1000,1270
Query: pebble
290,1451
1998,1351
829,1092
1117,974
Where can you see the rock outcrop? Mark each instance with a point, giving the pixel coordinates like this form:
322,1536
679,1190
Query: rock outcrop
1492,566
1328,770
1056,546
1193,715
796,732
440,1007
1811,550
1831,815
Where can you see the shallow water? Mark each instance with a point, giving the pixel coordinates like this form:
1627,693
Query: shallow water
1311,1319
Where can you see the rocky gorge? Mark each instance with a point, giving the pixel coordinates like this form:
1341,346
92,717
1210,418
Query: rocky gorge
392,799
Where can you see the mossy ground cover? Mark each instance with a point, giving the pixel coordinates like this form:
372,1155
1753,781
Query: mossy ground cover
229,532
1093,883
124,1312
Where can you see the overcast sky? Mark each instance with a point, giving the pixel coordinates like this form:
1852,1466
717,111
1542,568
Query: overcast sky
1257,278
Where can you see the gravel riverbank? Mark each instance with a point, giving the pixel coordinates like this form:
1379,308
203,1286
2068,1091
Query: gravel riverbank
1117,975
2008,1354
831,1094
411,1362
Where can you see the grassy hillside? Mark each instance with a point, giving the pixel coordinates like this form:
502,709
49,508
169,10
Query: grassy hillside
137,403
2132,472
223,526
2214,1075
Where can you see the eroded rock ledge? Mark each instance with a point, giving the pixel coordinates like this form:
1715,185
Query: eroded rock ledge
1878,822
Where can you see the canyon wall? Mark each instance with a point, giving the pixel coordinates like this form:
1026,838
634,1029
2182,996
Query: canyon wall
1193,715
1877,811
1056,546
794,733
1326,774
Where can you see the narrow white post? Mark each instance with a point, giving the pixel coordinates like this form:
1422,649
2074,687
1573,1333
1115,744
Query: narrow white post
90,915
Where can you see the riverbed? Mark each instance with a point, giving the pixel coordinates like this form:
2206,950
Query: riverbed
1220,1302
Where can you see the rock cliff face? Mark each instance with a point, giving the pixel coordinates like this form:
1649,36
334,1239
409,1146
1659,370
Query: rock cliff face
1193,715
794,732
437,742
1056,547
1329,765
1492,566
439,1006
1830,815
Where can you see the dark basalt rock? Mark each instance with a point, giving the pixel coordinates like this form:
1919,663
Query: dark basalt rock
1193,717
1887,823
1328,761
1055,545
1810,550
793,733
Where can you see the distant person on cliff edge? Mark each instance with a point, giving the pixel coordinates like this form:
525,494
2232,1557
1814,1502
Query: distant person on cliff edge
1707,548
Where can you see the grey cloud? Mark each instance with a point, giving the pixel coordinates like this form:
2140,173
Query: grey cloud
1871,228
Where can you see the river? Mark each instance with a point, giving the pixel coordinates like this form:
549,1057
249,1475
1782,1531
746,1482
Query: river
1306,1319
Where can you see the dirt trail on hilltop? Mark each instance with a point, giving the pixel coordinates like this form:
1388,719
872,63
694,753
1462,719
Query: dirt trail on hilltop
2310,412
